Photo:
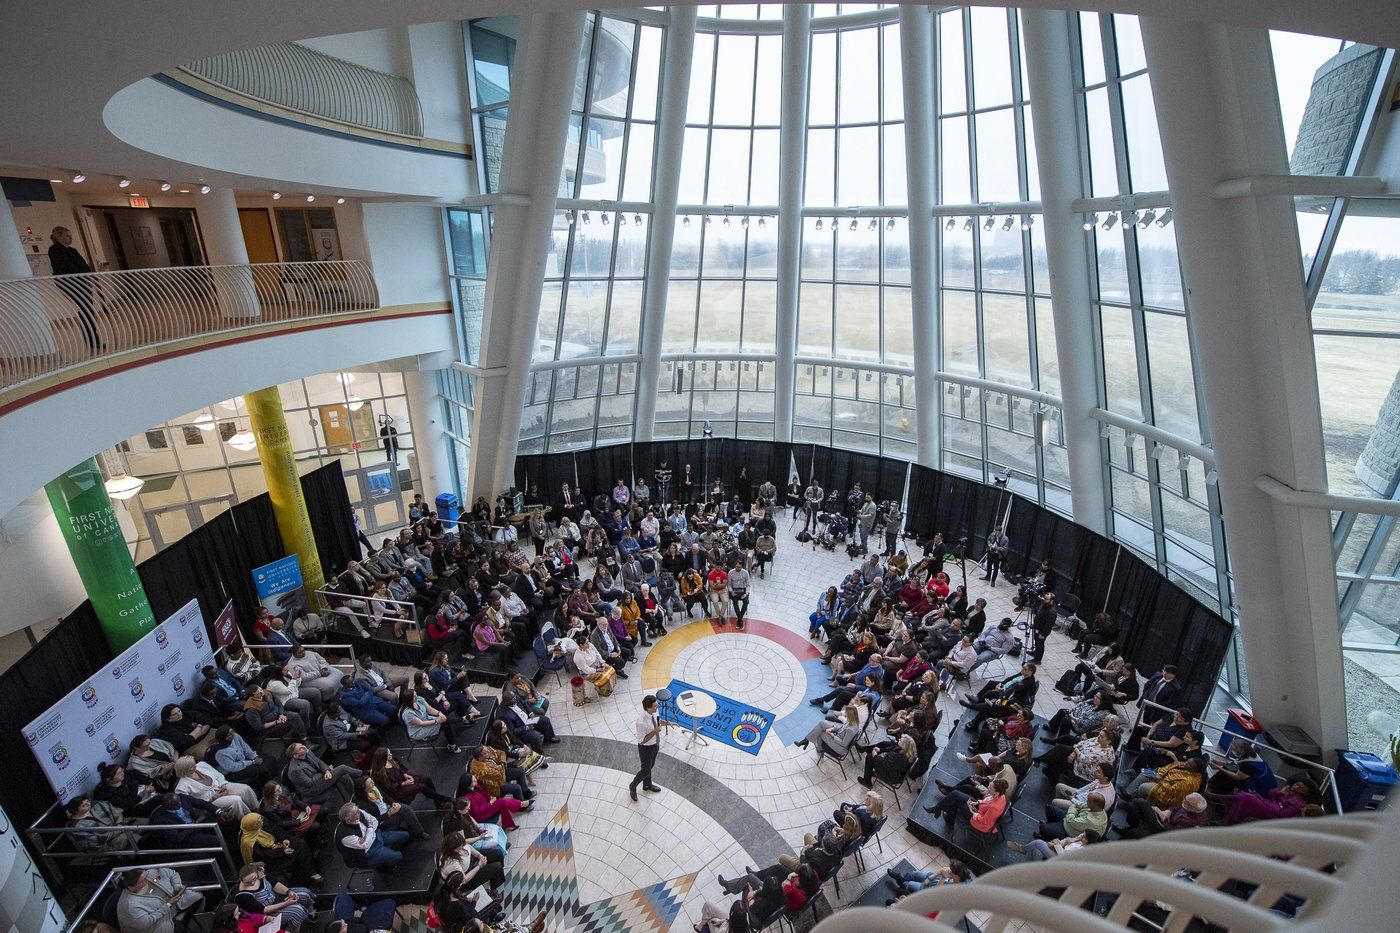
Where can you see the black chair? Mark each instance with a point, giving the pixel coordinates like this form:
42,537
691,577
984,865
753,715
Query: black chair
873,837
824,751
546,664
775,917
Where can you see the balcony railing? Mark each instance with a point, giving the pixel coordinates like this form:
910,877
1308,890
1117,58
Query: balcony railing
52,323
311,82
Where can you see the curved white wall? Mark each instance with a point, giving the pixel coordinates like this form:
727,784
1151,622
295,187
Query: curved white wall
168,122
51,434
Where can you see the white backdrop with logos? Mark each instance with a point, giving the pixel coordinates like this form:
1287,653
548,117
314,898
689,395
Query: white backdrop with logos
96,720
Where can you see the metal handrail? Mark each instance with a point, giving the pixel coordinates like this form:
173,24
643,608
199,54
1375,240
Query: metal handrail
324,597
1329,775
299,78
219,884
54,322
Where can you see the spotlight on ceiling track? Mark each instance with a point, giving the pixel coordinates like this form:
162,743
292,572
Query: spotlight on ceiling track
744,222
685,221
989,223
637,219
889,224
709,220
727,221
819,223
588,220
604,217
1026,221
854,223
967,224
569,218
1164,218
124,183
763,222
165,186
950,223
622,220
1146,219
1091,221
873,225
1109,221
1008,223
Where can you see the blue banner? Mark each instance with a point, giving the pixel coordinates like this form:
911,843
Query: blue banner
736,724
279,587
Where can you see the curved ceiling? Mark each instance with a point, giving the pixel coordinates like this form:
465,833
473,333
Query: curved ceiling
64,63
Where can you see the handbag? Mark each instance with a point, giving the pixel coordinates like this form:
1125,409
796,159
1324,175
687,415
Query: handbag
413,635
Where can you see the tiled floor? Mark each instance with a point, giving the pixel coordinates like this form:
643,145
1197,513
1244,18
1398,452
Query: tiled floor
621,846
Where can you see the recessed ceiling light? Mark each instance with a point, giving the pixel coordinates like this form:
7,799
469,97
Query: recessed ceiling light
165,186
310,198
276,195
340,200
204,189
184,191
79,178
124,183
55,181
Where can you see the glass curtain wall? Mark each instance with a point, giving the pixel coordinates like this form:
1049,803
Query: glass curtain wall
591,307
1163,500
1350,256
996,318
854,305
722,284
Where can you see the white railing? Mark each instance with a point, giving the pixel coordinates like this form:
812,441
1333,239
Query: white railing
1176,876
50,323
311,82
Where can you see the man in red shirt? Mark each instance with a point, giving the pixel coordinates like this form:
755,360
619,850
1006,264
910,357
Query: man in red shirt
718,582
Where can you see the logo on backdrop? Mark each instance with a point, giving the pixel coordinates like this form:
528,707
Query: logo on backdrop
162,639
198,638
112,746
59,756
31,737
137,691
89,697
177,683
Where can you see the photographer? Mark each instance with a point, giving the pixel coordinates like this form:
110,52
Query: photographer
894,518
1033,586
997,543
812,502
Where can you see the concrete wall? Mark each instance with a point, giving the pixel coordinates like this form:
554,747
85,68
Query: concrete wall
406,249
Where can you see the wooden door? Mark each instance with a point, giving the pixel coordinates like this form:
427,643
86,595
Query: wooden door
257,234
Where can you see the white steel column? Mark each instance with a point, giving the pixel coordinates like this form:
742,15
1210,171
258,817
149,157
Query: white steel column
425,416
1218,112
792,161
39,338
921,164
1050,73
542,86
677,53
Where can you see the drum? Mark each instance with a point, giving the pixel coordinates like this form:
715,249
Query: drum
604,682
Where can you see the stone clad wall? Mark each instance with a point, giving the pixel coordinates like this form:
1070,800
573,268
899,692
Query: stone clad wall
1339,92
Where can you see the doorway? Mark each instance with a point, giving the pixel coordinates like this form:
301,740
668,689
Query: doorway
376,495
144,237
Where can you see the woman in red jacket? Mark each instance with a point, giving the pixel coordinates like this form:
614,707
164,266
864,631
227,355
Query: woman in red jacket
484,807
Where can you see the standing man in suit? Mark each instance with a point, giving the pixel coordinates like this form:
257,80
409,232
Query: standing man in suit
1163,689
1042,624
812,501
649,727
66,260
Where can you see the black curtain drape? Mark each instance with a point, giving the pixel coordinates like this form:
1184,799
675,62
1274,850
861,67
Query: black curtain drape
890,479
332,521
62,660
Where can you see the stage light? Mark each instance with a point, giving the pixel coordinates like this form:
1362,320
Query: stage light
1091,221
819,223
569,218
622,220
1165,218
604,217
637,219
685,221
727,221
762,222
967,224
951,223
873,225
854,223
1008,223
744,222
1109,221
1146,219
989,223
1026,221
889,224
588,220
1212,477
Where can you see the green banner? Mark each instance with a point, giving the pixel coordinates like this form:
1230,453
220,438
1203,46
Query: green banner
101,555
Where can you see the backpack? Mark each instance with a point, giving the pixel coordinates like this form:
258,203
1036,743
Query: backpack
804,537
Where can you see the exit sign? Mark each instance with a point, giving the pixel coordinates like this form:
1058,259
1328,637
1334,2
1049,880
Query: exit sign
136,200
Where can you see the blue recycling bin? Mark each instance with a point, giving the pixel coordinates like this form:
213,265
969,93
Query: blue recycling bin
1238,722
446,503
1363,780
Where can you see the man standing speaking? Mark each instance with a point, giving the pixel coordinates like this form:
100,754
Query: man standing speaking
649,728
